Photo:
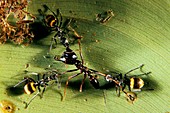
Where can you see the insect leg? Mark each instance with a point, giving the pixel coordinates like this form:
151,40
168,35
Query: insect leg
27,104
82,82
69,78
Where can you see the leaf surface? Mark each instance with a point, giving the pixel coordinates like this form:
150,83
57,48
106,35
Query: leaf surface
137,34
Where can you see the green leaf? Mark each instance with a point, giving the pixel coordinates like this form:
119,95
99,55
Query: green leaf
137,34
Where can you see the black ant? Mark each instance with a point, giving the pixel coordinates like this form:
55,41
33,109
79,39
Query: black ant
54,22
31,85
70,57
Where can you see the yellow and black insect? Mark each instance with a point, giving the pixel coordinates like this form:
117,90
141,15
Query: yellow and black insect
134,82
31,85
54,22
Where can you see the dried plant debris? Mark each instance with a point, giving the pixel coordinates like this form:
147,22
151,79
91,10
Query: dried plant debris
19,31
104,16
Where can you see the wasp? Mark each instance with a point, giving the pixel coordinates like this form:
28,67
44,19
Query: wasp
31,85
70,57
54,21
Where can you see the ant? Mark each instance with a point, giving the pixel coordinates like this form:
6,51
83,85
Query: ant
31,85
70,57
54,22
134,83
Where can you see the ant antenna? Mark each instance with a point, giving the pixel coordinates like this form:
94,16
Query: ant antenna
140,67
143,74
20,82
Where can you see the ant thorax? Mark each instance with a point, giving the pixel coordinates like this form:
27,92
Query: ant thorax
68,57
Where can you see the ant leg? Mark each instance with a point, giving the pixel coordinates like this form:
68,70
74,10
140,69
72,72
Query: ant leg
118,88
97,72
43,91
79,42
69,71
45,6
53,40
80,51
42,13
38,77
56,16
39,90
82,82
67,24
31,100
44,87
69,78
61,19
